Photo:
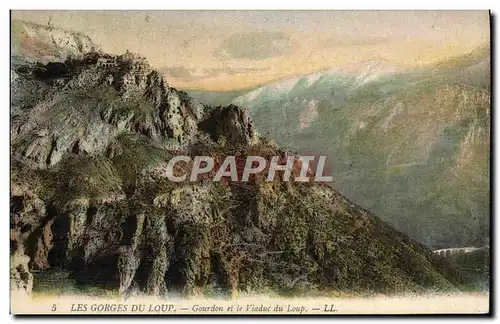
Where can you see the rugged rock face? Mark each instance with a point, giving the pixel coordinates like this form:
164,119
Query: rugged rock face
20,276
232,121
92,110
91,136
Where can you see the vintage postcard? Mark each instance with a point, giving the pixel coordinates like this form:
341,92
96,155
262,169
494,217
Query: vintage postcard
250,162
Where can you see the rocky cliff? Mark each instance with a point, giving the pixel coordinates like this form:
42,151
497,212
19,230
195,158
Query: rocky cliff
91,135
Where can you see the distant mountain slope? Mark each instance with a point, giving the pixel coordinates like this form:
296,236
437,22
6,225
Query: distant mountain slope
412,146
90,140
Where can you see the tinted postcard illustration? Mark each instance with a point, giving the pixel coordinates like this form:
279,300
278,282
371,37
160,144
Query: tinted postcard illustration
250,162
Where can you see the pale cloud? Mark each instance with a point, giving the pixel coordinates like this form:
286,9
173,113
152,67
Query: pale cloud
255,46
347,41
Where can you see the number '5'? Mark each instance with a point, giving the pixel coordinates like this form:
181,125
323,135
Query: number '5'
54,307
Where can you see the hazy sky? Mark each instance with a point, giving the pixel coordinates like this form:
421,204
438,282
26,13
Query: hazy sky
224,50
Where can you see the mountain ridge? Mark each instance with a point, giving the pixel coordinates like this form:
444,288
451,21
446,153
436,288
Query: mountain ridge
338,116
478,55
